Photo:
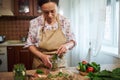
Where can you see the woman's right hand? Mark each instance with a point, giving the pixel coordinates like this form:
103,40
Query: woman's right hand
46,60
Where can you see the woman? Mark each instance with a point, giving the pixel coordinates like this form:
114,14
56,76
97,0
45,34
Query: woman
49,34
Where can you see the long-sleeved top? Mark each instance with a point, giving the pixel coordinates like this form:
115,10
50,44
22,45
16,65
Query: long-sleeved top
38,23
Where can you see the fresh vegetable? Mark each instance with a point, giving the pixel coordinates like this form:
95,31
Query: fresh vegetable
38,71
55,57
84,66
90,69
84,62
80,65
105,75
19,72
95,66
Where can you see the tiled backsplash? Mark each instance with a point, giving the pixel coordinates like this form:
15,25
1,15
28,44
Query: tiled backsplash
14,27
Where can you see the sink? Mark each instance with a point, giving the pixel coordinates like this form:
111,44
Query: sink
14,42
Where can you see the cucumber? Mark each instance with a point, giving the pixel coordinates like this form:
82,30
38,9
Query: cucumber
84,68
80,65
94,63
97,69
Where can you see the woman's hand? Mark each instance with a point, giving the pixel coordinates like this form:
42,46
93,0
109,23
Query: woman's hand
62,49
46,60
65,47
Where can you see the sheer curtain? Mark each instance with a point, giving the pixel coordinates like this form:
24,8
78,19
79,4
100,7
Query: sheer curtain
87,20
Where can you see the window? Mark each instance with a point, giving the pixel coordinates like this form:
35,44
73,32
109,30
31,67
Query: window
111,32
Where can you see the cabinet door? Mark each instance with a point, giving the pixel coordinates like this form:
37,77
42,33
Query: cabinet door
37,11
12,57
18,54
23,7
25,57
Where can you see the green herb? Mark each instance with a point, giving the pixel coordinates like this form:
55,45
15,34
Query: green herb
105,75
19,72
55,57
116,71
38,71
49,76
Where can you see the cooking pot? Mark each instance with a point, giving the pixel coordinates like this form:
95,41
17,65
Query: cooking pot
2,38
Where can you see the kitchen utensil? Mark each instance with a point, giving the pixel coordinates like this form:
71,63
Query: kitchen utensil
23,39
2,38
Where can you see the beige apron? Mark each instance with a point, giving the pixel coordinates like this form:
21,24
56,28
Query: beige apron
51,40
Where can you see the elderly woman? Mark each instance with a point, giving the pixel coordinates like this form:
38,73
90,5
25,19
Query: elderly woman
49,34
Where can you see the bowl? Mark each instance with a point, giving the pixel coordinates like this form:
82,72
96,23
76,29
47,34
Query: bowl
83,73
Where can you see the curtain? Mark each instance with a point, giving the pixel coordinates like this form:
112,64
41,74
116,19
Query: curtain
87,21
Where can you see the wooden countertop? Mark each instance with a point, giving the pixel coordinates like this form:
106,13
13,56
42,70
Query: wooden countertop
9,75
12,43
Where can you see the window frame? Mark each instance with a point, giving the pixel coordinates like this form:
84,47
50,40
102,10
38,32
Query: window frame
113,48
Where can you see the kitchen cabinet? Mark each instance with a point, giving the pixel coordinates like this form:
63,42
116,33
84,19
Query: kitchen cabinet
23,7
26,8
18,54
37,10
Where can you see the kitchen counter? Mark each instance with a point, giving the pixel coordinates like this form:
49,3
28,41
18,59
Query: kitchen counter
9,75
77,76
73,70
12,43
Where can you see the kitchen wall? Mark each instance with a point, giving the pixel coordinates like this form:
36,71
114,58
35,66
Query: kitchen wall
7,4
14,27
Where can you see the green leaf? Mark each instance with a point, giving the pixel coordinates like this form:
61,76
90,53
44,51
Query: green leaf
97,78
38,71
116,71
55,57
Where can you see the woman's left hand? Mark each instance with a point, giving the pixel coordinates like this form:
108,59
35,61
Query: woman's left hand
62,49
65,47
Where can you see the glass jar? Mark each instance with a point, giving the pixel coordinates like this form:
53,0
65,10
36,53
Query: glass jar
19,71
54,65
54,62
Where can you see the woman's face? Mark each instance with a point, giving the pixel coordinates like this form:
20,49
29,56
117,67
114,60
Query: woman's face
50,11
